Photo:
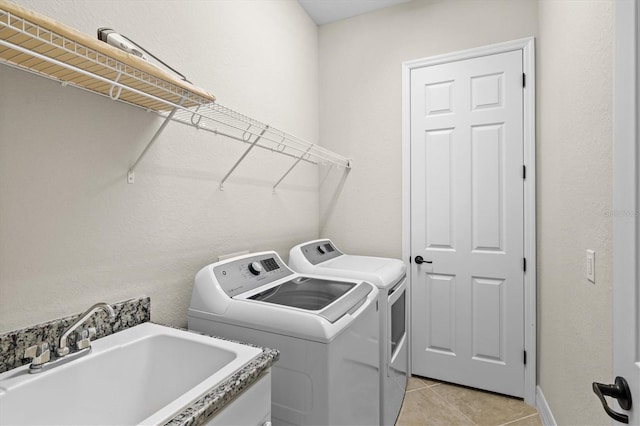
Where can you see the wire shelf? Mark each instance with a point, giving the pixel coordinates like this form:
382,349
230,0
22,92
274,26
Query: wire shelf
221,120
40,45
73,58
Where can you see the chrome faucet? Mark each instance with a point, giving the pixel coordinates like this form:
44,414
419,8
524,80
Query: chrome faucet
63,349
40,355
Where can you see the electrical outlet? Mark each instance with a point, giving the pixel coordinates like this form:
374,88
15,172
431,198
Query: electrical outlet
591,266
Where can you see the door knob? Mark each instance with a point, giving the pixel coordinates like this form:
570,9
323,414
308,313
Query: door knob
419,260
620,391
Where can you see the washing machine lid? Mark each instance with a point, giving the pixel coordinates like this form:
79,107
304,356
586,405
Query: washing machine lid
323,258
379,271
327,298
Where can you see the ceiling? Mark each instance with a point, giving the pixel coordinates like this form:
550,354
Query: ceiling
326,11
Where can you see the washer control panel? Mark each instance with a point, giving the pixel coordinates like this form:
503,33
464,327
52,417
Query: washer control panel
320,251
244,274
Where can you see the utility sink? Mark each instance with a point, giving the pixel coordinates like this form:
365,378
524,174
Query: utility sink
142,375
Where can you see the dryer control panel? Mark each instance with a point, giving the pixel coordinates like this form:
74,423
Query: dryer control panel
320,251
246,273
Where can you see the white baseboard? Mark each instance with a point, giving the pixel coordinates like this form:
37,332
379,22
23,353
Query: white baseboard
546,416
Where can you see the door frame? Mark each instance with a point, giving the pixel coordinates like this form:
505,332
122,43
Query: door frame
626,171
527,45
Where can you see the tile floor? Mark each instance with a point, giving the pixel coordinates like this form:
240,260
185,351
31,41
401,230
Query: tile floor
430,402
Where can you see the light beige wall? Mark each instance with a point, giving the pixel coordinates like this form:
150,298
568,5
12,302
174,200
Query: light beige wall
72,232
575,86
360,103
360,109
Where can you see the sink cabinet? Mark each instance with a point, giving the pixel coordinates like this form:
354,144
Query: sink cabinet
252,407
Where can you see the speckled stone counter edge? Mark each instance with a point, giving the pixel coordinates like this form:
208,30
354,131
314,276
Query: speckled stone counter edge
129,313
217,398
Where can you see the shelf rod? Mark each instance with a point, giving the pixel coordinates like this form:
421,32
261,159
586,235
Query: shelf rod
130,175
239,139
242,158
291,168
218,132
226,117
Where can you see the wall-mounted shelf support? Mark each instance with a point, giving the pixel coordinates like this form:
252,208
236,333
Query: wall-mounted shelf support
299,159
114,86
131,177
242,157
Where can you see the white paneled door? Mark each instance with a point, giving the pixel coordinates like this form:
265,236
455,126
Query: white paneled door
467,222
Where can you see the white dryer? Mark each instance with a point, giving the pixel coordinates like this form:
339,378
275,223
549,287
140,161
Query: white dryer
389,275
326,330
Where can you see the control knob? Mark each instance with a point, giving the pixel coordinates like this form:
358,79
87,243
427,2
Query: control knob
255,268
321,250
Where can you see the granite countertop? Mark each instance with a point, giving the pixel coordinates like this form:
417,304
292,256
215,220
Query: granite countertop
212,402
129,313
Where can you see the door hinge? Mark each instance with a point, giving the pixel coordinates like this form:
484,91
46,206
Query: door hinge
524,357
524,171
524,80
409,259
524,264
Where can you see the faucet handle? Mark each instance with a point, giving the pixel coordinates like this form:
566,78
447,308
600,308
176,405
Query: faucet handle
92,332
39,353
83,337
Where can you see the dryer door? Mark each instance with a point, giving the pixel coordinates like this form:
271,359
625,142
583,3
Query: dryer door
397,353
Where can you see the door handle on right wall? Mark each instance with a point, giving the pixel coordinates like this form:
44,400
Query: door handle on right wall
620,391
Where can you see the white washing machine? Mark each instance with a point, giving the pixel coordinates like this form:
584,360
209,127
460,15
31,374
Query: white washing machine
390,276
326,330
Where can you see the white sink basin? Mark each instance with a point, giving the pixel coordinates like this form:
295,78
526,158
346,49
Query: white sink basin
142,375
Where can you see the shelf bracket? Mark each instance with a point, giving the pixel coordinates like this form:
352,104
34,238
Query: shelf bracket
196,123
131,177
116,86
291,168
242,157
